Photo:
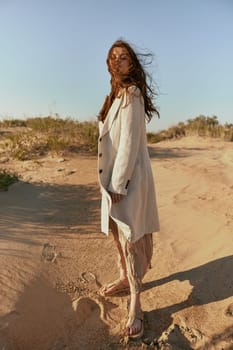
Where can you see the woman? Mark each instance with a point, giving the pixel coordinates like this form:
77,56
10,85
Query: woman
128,204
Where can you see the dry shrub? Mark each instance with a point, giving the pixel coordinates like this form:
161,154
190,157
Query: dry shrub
7,179
40,136
201,126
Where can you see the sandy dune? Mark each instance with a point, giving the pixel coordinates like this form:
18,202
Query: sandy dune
53,257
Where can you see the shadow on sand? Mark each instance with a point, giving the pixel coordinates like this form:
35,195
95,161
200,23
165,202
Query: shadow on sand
29,210
175,152
211,282
45,318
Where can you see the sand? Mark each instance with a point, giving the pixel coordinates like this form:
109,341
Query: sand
53,257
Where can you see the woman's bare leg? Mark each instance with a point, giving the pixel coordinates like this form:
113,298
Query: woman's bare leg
122,284
138,257
135,319
134,324
122,263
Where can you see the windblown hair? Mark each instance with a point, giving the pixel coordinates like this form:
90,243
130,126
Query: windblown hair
136,75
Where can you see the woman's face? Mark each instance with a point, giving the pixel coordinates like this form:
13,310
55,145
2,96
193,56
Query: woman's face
119,60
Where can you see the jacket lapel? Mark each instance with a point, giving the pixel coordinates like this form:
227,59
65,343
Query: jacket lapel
111,116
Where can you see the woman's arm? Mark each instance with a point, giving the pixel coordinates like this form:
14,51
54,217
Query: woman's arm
132,122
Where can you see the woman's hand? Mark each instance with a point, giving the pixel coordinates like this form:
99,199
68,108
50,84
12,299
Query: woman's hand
116,197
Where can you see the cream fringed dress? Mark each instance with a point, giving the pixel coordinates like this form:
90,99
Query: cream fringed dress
124,167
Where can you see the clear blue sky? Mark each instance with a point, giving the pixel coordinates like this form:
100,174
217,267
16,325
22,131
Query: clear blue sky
53,52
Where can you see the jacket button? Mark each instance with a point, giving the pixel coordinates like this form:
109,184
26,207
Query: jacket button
100,139
127,184
100,171
100,155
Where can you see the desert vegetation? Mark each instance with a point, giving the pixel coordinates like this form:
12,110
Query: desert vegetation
35,137
204,126
7,179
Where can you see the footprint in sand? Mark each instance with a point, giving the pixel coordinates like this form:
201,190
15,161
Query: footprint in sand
85,307
49,253
89,277
88,308
179,337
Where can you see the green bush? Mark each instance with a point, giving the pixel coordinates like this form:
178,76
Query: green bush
7,179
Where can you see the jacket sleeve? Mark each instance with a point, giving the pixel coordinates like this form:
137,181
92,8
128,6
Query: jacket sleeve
132,122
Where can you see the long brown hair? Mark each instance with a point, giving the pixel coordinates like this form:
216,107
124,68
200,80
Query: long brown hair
137,75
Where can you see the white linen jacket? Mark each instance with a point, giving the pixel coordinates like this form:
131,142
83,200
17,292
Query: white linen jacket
124,167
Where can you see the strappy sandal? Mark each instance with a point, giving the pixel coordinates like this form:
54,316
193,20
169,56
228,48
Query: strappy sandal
138,315
117,287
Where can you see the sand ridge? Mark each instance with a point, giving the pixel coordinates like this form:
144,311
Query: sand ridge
54,258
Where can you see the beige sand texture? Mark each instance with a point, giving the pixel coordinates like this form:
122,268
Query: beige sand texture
53,257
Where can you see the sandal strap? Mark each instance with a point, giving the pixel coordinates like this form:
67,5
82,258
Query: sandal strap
116,283
130,323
